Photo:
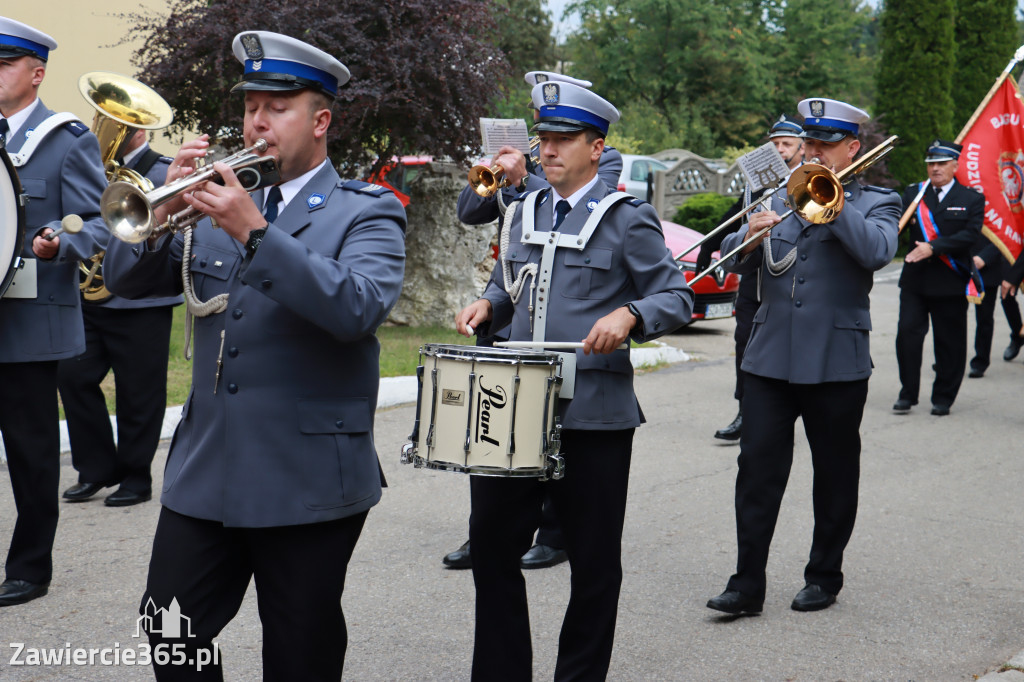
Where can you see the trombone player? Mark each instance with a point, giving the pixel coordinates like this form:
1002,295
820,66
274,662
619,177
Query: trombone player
808,357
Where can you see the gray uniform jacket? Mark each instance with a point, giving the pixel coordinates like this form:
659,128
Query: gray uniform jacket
63,176
157,174
285,436
625,261
474,209
814,321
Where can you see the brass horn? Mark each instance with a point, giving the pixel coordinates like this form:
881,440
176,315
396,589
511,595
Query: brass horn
814,193
123,105
129,211
486,181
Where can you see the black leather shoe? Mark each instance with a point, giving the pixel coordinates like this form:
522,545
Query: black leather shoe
20,591
81,492
126,498
542,556
459,558
976,373
813,598
736,603
732,431
940,410
1011,351
902,406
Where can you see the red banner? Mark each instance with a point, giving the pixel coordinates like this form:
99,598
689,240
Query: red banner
993,162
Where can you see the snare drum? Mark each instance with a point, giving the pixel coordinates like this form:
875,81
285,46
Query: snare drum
12,221
487,412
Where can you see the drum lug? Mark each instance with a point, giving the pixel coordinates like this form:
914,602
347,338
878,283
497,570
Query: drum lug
408,453
557,467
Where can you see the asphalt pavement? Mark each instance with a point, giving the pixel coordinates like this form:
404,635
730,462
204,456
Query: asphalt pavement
934,581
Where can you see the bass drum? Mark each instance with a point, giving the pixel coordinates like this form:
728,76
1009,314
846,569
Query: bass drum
12,221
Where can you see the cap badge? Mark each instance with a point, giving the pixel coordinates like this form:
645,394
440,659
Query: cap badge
315,200
251,45
591,204
540,78
817,108
551,93
937,143
257,65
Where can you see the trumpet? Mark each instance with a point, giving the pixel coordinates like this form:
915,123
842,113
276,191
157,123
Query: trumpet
130,214
486,181
815,193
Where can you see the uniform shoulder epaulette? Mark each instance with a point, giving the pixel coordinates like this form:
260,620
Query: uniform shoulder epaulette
165,159
882,190
76,128
365,187
634,202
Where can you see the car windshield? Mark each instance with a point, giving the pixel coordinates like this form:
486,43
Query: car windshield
642,167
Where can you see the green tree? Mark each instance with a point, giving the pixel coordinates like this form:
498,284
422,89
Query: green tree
421,76
684,73
915,76
524,38
983,47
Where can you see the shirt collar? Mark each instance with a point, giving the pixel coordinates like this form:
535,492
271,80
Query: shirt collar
941,191
130,157
291,188
576,196
17,121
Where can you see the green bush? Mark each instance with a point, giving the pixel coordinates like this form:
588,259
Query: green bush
703,212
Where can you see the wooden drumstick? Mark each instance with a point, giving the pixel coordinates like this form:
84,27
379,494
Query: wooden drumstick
71,224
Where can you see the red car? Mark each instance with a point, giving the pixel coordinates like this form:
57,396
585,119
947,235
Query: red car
714,295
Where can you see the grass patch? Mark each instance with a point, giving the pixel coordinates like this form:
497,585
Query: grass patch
399,355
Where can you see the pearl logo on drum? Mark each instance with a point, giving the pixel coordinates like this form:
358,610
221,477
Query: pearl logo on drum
487,400
450,397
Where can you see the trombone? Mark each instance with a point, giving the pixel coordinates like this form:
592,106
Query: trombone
486,181
815,193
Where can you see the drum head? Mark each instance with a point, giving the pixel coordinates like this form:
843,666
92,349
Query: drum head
12,221
489,354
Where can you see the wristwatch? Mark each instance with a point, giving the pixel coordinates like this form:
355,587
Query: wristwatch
636,313
521,187
255,237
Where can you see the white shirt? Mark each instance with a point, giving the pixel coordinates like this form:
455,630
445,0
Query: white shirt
941,191
17,121
130,156
291,188
574,199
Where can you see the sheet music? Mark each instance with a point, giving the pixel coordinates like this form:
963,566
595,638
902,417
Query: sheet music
763,167
496,133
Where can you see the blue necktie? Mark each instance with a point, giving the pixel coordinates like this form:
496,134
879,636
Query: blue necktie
562,209
273,199
5,127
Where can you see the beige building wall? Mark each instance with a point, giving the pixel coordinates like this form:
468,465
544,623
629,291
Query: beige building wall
87,35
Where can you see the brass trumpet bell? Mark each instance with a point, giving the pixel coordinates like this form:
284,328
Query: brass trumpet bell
486,181
122,104
815,193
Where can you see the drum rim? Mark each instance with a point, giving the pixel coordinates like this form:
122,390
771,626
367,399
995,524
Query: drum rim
497,355
481,470
7,270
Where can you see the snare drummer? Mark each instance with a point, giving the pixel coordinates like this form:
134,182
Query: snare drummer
603,286
58,163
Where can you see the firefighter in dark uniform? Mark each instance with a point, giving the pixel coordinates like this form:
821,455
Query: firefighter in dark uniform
945,226
808,357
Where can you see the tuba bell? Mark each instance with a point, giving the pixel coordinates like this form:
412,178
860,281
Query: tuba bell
123,105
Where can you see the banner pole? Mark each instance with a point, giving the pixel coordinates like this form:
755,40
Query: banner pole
1018,57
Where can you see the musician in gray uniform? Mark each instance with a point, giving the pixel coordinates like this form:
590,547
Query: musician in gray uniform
524,172
272,469
132,339
58,164
808,357
601,275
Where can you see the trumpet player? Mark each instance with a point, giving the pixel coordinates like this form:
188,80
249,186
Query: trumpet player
272,469
58,163
808,357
